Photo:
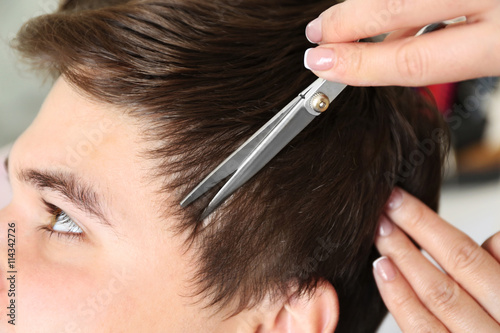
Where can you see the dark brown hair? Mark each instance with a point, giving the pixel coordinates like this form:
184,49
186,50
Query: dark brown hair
202,76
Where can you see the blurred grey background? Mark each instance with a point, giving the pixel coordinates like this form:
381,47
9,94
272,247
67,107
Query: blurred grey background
21,92
474,207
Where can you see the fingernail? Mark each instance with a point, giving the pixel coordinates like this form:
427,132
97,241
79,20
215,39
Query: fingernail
384,269
385,226
395,200
314,32
319,59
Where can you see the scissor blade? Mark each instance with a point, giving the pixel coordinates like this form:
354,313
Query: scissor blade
234,161
291,125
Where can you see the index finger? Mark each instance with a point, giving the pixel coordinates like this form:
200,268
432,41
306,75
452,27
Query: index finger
469,264
356,19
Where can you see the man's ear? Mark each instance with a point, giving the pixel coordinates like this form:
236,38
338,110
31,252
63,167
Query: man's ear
317,313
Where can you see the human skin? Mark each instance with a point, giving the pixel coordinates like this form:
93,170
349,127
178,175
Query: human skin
115,279
133,277
459,52
467,299
421,297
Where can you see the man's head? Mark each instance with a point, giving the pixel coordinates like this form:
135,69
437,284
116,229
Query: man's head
153,95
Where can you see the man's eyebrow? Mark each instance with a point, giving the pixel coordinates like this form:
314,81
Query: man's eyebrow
78,192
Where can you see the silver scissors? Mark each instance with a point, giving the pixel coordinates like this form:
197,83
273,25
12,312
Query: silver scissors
270,139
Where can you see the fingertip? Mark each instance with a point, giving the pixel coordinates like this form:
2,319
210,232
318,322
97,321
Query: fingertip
314,32
319,59
385,226
306,57
385,269
395,200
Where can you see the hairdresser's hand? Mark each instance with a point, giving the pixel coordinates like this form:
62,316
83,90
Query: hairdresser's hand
422,298
459,52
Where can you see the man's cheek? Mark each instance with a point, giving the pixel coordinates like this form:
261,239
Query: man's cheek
104,299
56,301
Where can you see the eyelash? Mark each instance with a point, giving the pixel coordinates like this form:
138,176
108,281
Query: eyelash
55,213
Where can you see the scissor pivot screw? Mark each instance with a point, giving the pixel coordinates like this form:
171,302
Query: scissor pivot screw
320,102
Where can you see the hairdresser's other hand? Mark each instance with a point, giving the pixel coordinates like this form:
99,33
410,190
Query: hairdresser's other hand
421,297
459,52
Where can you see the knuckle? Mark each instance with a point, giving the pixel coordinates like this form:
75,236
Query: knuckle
466,255
444,294
412,62
416,217
347,62
403,255
353,60
402,301
395,7
333,25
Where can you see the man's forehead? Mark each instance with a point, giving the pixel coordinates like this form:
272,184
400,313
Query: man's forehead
85,138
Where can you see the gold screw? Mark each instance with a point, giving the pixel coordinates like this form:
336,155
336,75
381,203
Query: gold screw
320,102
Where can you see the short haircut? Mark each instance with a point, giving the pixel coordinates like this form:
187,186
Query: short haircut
203,76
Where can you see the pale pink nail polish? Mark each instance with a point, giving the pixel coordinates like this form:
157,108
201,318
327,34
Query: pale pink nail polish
395,200
385,226
319,59
314,32
385,269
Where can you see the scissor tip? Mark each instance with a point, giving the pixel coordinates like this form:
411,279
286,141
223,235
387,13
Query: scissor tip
187,201
209,210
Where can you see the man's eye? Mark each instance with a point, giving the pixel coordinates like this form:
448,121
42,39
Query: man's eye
61,224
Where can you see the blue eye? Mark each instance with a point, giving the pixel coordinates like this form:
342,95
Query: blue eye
64,224
61,224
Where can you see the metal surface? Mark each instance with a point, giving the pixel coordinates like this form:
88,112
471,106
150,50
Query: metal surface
233,162
319,102
268,141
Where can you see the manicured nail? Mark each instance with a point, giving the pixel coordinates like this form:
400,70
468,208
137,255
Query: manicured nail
314,31
395,200
385,226
384,269
319,59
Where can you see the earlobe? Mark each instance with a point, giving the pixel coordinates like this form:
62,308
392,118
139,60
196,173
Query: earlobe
318,313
